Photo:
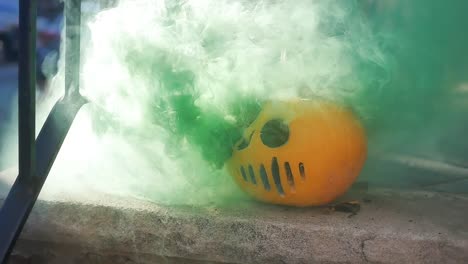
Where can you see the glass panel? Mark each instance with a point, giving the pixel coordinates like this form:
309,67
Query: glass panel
9,11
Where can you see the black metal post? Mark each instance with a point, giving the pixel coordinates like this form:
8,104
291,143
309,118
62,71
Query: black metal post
61,117
27,187
72,47
27,88
10,226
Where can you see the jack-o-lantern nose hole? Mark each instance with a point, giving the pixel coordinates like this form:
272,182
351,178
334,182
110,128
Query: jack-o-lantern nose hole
275,133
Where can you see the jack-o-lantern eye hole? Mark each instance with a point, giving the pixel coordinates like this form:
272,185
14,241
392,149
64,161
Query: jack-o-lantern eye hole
275,133
244,142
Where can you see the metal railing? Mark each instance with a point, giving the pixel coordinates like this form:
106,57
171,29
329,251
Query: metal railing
36,157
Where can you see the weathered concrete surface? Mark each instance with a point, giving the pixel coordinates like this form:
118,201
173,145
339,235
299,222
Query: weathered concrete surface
392,227
38,252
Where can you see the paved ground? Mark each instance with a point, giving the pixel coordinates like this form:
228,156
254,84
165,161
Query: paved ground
391,227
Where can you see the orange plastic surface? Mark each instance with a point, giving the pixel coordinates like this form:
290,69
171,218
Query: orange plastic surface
324,154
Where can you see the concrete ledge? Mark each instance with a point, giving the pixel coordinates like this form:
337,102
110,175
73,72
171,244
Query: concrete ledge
391,227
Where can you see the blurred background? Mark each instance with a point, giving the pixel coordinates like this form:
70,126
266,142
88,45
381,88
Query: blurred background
49,26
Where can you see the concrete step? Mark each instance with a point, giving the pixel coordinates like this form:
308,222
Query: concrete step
391,227
408,223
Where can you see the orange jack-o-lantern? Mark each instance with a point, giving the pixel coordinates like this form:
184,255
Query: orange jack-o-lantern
299,153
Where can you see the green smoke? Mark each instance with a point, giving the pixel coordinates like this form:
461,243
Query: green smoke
209,131
205,68
174,83
426,46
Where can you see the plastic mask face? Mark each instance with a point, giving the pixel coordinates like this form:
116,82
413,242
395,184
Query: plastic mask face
299,153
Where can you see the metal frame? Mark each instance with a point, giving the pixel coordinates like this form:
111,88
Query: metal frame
36,157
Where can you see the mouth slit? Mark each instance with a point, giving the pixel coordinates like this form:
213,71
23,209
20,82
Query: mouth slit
276,175
302,170
243,173
289,174
252,175
264,176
